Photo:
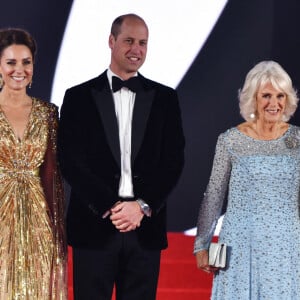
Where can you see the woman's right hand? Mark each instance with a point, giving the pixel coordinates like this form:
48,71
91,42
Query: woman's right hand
202,262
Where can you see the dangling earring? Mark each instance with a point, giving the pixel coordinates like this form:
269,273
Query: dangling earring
1,82
30,84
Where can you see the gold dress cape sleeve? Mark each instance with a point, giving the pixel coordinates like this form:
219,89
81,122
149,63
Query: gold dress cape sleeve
52,184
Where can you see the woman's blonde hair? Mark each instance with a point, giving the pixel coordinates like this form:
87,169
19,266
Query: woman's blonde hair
263,73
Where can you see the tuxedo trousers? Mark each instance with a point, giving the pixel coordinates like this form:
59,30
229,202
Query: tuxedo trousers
122,262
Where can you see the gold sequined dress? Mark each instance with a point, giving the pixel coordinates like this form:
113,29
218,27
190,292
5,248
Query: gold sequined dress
32,241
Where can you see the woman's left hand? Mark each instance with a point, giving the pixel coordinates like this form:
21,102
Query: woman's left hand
202,262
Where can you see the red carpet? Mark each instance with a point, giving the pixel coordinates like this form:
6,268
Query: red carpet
179,278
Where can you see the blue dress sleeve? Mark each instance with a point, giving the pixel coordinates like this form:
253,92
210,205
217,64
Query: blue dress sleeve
212,202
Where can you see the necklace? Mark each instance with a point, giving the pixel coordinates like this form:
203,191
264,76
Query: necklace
267,133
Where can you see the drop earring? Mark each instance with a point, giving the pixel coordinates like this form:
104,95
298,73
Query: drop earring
1,82
30,84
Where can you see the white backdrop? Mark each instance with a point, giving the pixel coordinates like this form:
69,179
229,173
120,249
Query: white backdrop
177,31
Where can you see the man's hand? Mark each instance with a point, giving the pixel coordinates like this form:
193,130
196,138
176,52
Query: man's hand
126,216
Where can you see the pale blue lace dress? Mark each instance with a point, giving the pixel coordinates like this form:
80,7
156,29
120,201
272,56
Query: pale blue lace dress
261,225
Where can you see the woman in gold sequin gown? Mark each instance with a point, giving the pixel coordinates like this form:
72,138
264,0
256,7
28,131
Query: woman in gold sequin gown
32,241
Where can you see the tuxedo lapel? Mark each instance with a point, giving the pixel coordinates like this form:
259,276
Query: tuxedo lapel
106,109
105,106
142,107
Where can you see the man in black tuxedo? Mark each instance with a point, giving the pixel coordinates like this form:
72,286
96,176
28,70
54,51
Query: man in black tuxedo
121,149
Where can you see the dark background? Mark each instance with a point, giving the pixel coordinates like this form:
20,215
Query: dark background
246,33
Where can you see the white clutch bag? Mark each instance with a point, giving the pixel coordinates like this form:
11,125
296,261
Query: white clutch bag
217,255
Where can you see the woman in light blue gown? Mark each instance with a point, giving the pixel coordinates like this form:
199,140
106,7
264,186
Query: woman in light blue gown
258,164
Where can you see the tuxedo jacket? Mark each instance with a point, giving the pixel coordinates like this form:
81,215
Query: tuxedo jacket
89,155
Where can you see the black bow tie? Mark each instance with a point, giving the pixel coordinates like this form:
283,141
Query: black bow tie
132,84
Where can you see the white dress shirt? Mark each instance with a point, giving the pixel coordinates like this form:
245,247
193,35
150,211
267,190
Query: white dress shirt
124,103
